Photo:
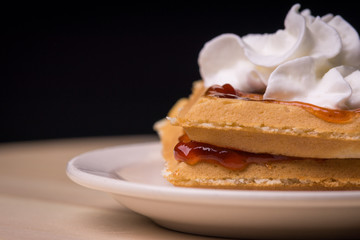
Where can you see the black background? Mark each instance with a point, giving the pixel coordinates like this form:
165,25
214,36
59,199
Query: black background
115,70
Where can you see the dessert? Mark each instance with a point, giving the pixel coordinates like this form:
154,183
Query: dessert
272,111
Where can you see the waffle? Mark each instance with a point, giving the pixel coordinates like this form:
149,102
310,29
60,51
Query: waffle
325,154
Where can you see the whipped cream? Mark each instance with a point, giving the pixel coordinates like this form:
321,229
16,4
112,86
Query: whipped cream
314,60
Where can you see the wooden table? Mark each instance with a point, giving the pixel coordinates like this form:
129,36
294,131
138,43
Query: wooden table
38,201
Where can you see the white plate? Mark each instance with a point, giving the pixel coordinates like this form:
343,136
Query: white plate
132,174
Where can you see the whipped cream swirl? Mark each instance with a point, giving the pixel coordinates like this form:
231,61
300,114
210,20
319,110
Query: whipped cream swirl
314,60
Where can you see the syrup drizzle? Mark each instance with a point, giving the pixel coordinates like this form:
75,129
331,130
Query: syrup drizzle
328,115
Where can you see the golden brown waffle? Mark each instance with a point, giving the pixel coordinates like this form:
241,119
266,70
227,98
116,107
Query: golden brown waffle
261,127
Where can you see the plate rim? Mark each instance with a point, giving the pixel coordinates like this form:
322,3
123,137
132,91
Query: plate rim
200,195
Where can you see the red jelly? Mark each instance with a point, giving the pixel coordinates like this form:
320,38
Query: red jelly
193,152
329,115
227,91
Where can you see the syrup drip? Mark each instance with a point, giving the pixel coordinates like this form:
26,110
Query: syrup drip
328,115
192,152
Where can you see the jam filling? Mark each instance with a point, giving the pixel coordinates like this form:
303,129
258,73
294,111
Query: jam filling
329,115
192,152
